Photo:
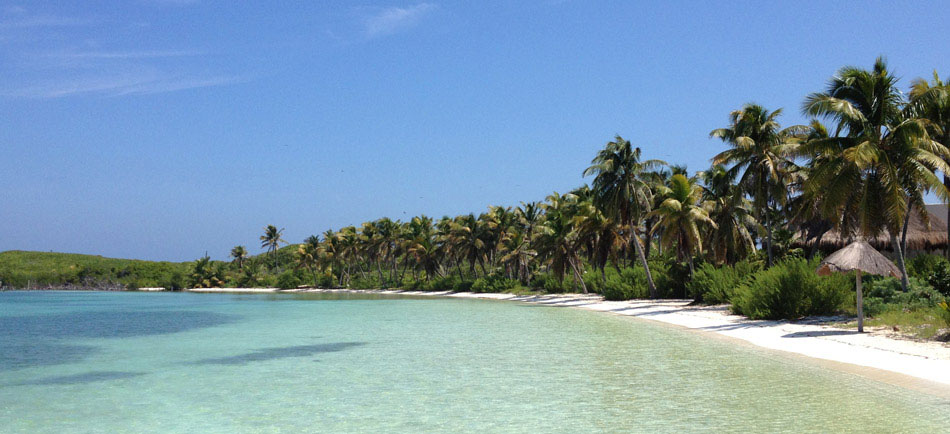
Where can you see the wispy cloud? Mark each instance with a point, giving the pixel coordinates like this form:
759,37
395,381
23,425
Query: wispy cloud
391,20
45,21
149,54
120,85
86,56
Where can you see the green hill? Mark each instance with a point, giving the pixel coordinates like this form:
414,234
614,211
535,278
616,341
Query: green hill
20,269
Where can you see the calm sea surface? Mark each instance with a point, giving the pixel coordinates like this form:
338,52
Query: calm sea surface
139,362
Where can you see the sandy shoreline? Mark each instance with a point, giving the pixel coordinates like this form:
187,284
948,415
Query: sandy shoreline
920,365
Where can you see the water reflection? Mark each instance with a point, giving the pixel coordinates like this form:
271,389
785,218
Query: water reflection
108,324
88,377
27,341
279,353
19,355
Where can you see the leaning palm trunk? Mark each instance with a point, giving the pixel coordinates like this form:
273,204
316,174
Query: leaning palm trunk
643,261
904,228
577,275
900,260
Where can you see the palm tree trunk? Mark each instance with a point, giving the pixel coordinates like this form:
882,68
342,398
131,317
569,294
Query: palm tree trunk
910,208
649,244
768,238
946,184
577,275
900,260
643,261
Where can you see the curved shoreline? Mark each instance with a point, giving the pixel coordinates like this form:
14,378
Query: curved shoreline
923,366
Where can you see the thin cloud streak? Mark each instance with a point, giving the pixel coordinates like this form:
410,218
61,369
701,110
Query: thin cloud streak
46,21
394,19
127,54
122,85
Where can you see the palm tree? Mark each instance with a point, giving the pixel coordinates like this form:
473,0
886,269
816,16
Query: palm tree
373,245
731,239
600,234
308,256
516,254
931,101
620,191
271,240
206,274
558,239
880,161
682,219
467,233
239,253
761,151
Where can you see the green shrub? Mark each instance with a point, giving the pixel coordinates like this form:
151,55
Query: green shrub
287,280
922,266
874,306
713,284
888,290
671,278
548,283
446,283
791,289
939,279
494,283
945,312
629,283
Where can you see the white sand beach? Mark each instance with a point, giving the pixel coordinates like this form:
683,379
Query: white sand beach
878,355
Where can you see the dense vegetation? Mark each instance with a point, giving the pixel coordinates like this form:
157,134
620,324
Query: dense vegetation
67,270
645,228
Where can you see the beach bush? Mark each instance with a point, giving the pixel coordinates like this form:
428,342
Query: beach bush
287,280
630,283
713,284
494,283
438,283
888,290
923,265
549,283
791,289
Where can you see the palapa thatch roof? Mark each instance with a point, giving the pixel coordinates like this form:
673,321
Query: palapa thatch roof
920,236
858,255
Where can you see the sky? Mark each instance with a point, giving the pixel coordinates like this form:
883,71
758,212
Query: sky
165,129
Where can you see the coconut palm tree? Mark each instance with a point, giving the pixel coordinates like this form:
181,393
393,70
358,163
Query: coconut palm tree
682,219
931,101
239,253
620,191
879,162
467,235
731,239
558,240
271,240
516,255
308,256
529,216
761,150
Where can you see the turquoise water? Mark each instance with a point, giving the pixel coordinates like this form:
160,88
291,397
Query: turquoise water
134,362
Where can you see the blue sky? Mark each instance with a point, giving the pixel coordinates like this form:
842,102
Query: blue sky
162,129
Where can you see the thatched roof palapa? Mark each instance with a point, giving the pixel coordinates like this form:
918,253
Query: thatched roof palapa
920,236
858,255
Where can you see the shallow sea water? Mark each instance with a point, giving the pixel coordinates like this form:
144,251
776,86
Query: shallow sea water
180,362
